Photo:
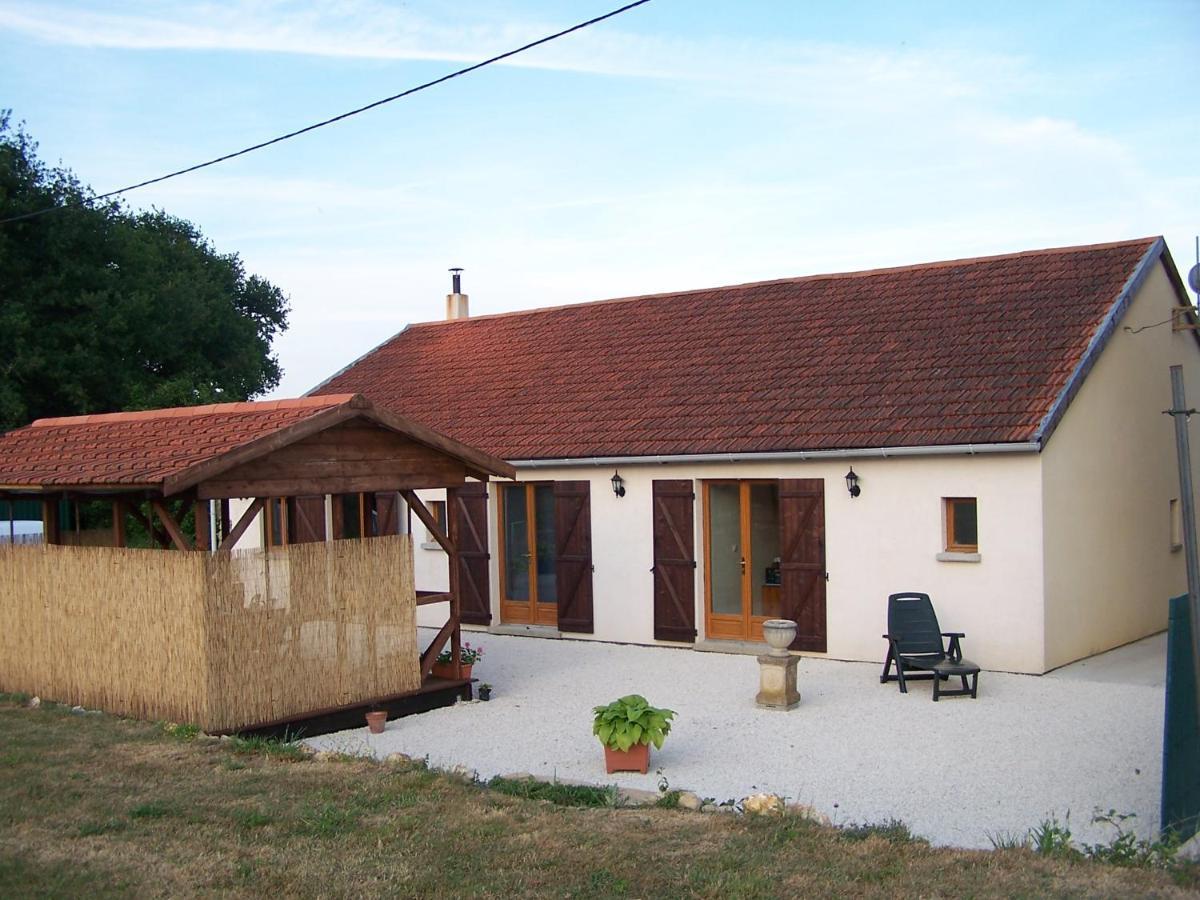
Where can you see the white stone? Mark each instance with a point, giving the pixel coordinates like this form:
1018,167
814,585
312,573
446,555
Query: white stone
688,800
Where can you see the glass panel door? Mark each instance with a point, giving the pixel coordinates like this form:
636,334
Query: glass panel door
547,575
742,557
528,586
516,544
725,543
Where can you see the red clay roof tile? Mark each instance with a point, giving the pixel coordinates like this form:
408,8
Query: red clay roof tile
142,448
966,351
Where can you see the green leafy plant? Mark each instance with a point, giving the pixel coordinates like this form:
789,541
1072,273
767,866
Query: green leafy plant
1126,849
631,720
1054,839
467,655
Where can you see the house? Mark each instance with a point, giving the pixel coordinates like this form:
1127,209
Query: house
689,464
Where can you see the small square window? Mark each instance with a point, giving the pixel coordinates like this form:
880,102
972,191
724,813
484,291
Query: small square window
438,509
962,525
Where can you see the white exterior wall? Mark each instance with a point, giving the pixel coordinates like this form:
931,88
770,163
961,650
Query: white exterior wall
1109,473
884,541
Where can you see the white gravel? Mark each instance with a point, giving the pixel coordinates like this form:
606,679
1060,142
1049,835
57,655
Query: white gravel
956,772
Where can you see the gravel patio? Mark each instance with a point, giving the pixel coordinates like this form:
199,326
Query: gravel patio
956,772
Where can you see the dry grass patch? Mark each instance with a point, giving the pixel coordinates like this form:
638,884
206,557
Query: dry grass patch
106,807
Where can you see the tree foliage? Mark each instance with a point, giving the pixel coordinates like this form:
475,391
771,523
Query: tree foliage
104,309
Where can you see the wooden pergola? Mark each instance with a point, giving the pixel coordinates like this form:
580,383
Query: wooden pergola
288,457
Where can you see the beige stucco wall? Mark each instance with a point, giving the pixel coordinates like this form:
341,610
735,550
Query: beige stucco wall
1109,473
884,541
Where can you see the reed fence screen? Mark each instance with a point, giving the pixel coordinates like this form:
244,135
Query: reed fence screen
223,641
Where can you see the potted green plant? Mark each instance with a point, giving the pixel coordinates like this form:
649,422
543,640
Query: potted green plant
443,667
627,727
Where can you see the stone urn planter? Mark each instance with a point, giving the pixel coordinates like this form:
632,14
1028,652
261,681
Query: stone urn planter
779,634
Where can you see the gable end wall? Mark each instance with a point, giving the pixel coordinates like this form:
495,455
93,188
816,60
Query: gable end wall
1108,474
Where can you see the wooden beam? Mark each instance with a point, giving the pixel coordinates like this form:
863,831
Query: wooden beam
147,522
308,487
178,538
51,532
435,647
118,523
203,526
425,598
243,523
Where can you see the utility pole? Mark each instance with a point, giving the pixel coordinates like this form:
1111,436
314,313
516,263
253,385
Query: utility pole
1181,414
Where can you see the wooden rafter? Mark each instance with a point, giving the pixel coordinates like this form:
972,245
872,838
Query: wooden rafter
178,538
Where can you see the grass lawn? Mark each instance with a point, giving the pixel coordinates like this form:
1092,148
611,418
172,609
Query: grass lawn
99,806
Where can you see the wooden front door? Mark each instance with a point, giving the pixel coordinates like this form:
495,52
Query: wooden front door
764,558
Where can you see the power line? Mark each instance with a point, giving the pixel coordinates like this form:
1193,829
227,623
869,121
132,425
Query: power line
346,115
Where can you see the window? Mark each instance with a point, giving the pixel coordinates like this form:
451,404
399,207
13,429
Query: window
437,509
962,525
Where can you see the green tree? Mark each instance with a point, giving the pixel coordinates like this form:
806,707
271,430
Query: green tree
103,308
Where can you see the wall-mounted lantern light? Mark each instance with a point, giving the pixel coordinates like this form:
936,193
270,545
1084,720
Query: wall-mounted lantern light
618,484
852,483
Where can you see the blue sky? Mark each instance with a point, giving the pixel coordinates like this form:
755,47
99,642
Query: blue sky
684,144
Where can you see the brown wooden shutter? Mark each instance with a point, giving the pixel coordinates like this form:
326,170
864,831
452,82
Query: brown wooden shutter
802,559
387,514
674,561
306,520
573,557
466,508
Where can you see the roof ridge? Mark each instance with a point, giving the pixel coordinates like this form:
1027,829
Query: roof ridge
826,276
318,401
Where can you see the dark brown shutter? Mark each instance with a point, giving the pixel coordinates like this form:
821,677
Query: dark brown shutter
802,559
674,561
573,559
387,514
306,520
466,508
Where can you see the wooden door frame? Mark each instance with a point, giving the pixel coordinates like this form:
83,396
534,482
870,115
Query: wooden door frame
717,625
529,612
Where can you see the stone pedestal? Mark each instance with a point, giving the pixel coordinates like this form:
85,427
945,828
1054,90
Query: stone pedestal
777,682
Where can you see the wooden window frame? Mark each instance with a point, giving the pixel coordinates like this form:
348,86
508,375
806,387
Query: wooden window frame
948,506
720,626
437,509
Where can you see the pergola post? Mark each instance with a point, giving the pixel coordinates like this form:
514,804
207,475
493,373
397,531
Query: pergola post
203,525
453,627
51,531
118,523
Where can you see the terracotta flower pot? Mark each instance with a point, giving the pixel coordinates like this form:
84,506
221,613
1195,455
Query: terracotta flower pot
446,670
376,720
635,759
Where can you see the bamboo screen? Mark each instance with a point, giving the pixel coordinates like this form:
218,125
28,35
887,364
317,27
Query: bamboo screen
223,641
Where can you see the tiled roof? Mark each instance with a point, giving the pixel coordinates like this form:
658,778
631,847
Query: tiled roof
967,351
142,448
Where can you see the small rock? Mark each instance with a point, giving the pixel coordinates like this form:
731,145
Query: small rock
518,776
804,811
688,800
34,702
324,756
763,805
397,759
708,807
638,797
78,710
226,737
463,772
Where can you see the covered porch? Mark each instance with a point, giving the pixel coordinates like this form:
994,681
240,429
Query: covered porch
326,597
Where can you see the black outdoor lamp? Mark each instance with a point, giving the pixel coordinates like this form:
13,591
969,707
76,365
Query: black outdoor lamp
618,484
852,483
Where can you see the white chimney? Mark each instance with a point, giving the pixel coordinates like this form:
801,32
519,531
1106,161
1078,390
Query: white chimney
456,301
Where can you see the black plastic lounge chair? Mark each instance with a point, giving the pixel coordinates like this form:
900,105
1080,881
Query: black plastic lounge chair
915,642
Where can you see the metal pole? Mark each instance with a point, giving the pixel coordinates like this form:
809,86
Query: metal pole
1181,414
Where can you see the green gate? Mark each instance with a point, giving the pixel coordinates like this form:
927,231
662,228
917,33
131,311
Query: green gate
1181,734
